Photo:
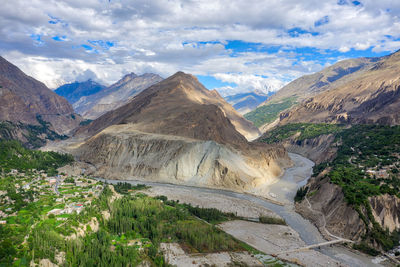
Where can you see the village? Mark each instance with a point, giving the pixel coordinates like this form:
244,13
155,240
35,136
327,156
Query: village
64,194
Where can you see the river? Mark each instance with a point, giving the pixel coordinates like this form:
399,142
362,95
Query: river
284,191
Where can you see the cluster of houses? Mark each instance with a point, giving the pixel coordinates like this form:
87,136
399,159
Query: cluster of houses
40,183
378,173
71,208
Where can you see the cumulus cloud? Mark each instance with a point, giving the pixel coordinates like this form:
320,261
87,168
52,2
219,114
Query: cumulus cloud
59,41
88,74
247,83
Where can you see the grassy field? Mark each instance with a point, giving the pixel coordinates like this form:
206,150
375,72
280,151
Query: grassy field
269,112
304,131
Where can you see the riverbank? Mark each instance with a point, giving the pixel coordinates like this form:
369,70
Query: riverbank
245,204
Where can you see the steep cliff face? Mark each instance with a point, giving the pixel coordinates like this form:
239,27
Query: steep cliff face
94,105
317,149
24,99
121,152
330,211
342,219
355,193
386,211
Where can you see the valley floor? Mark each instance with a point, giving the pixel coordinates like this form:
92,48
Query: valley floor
270,239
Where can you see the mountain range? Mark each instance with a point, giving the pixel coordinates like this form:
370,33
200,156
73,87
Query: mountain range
179,131
308,86
246,102
350,127
175,130
91,106
371,95
74,91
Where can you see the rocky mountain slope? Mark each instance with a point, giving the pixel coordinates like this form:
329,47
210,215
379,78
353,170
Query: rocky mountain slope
115,96
74,91
371,97
308,86
178,131
179,100
246,102
26,100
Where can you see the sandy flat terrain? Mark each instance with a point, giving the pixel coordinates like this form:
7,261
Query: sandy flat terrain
174,255
276,239
240,207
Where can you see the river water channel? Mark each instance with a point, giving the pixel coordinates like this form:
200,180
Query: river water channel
284,191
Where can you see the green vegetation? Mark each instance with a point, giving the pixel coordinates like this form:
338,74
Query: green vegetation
269,112
85,122
125,188
32,133
366,148
210,215
304,131
366,165
366,249
14,156
300,194
159,222
69,180
363,168
86,224
271,220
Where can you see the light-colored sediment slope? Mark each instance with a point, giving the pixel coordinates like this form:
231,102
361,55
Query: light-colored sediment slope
120,152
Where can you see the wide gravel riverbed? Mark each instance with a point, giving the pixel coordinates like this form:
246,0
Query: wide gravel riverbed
283,191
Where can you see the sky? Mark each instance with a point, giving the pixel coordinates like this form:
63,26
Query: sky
230,45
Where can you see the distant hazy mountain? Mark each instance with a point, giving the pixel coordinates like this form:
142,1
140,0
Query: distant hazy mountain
308,86
118,94
246,102
26,101
74,91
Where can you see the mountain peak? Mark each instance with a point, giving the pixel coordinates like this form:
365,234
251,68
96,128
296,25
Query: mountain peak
179,105
184,76
129,76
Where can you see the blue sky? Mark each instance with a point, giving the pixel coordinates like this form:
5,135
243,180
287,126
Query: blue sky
230,45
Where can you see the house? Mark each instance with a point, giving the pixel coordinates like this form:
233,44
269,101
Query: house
56,212
378,174
382,174
26,187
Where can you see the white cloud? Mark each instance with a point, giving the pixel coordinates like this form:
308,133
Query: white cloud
155,36
247,83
